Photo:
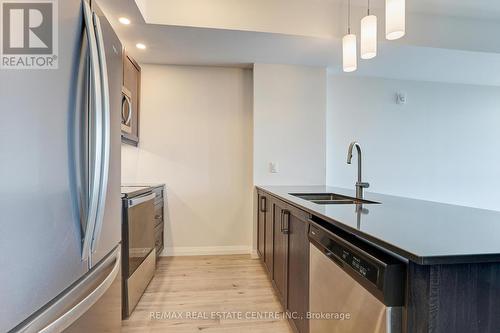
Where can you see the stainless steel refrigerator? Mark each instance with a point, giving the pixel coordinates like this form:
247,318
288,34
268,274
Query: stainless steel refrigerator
60,206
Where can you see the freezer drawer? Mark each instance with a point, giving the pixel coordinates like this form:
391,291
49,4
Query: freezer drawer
105,315
70,311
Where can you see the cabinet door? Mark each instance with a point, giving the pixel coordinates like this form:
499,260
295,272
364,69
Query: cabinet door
280,252
269,236
261,226
132,82
298,269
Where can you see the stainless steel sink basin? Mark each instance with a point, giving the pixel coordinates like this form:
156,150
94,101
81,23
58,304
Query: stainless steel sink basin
330,199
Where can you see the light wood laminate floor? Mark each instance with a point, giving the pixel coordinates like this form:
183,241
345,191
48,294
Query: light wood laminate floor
233,285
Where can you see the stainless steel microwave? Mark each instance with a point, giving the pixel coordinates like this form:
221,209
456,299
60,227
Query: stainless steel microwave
126,110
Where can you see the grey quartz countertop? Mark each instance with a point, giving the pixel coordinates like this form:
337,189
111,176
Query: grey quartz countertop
133,190
424,232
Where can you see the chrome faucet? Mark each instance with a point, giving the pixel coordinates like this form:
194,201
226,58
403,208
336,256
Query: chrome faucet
359,184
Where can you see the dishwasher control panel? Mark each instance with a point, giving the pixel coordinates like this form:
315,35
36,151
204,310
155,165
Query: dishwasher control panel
362,266
379,272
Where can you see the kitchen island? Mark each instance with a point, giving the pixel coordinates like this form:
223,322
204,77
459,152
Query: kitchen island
451,253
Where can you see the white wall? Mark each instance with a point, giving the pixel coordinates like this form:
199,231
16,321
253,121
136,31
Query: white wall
196,137
289,124
442,146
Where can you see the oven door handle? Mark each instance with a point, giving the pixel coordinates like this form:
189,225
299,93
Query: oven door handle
138,200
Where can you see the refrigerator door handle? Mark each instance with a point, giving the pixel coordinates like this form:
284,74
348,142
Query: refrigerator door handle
96,118
79,306
106,129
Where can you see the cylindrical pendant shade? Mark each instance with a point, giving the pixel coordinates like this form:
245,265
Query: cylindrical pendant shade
395,13
368,37
350,53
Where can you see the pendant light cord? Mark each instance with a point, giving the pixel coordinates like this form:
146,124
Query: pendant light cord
349,17
368,7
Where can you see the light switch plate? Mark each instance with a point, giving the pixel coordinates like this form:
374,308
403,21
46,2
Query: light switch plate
401,98
273,167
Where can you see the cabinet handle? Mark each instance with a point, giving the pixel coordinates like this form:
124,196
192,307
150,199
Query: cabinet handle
286,217
281,221
263,204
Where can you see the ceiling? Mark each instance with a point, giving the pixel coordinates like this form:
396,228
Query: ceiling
476,9
436,48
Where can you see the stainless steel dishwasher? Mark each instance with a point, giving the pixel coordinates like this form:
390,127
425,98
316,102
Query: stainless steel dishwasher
354,287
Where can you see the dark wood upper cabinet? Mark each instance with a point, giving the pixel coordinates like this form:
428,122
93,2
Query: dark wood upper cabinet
131,100
298,269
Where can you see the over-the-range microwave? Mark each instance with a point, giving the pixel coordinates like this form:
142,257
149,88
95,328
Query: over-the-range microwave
126,110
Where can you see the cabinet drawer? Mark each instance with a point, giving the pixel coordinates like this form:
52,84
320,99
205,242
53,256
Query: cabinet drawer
158,214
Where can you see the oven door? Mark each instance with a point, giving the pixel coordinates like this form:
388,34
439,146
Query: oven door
140,230
126,111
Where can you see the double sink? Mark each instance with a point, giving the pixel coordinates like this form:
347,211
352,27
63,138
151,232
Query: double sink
331,199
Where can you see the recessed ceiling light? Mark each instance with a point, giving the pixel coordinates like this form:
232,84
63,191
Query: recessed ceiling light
124,20
140,46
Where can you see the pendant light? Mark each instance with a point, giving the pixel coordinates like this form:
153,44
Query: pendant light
349,47
369,36
395,12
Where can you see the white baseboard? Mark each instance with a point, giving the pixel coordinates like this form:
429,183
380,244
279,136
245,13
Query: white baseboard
206,251
255,254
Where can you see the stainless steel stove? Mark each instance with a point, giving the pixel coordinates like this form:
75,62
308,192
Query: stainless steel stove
139,255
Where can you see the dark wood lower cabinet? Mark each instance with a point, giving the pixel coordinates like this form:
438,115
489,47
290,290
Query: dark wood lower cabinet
298,270
159,217
280,260
265,231
268,256
460,298
261,216
284,248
